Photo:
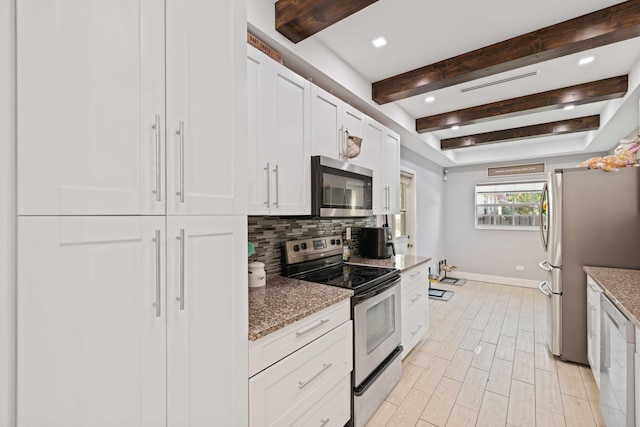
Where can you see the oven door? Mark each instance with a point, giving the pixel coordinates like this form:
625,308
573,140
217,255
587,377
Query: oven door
377,329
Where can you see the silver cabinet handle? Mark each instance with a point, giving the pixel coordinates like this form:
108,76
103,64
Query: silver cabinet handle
181,297
417,329
340,143
180,133
157,304
345,136
277,202
314,327
416,298
324,422
303,384
158,145
268,168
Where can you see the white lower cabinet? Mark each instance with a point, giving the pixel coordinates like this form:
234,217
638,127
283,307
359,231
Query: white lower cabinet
415,306
593,327
636,360
311,384
103,339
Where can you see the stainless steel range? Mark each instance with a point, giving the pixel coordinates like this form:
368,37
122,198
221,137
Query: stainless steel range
375,310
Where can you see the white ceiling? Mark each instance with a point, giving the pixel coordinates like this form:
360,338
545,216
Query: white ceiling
422,32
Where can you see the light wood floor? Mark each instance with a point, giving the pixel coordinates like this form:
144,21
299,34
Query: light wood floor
483,362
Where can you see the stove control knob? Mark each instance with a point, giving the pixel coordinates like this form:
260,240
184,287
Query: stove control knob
296,248
333,241
337,241
304,246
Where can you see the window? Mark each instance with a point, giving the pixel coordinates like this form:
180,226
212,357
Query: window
509,205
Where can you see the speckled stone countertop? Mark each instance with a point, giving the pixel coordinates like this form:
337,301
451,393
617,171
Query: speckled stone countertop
282,301
401,262
622,286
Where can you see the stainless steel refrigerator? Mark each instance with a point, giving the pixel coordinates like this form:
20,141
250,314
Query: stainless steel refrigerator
588,217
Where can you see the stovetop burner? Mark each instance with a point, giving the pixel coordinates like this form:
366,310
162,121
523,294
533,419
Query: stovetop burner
320,260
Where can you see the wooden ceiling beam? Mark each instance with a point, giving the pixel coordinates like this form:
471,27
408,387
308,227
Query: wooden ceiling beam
600,90
581,124
299,19
600,28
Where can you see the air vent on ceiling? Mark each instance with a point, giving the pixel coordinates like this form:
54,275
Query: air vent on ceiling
497,82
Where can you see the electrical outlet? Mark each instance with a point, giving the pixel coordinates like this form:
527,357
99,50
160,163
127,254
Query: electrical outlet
520,267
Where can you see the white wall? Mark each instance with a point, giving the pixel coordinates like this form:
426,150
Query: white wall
491,252
7,214
430,204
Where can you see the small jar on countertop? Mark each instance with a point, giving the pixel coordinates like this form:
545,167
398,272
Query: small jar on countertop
257,274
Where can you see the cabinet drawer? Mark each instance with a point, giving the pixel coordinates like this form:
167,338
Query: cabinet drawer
268,350
294,385
333,407
414,326
415,295
419,273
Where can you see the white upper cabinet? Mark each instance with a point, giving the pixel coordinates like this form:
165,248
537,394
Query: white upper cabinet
91,321
206,296
90,107
279,138
369,156
390,170
206,158
331,122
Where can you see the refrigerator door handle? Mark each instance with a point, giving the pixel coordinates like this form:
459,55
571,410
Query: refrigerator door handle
543,285
544,230
545,266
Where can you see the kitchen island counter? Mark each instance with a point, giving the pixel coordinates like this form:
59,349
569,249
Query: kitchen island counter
401,262
284,300
621,286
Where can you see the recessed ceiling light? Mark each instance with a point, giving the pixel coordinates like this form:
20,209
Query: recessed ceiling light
455,127
430,99
379,42
585,60
569,107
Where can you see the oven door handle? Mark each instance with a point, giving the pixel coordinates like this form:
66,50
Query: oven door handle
377,291
362,388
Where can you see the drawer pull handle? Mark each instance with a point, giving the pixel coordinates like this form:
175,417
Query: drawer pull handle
417,329
416,298
305,332
324,422
303,384
416,273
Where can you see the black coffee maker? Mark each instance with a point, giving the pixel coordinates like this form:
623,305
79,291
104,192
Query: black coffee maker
376,242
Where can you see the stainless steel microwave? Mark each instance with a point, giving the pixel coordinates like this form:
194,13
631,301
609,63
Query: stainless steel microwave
340,189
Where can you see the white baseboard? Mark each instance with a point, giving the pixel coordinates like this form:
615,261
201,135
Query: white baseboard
513,281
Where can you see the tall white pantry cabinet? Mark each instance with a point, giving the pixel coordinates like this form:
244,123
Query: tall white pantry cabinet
132,293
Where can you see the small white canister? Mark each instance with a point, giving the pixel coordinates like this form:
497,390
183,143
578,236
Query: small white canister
257,275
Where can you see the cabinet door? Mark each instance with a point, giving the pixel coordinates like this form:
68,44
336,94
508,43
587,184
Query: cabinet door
290,144
207,321
206,107
90,88
91,342
326,123
369,156
260,71
390,169
353,120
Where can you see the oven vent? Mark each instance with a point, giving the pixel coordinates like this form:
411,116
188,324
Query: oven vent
497,82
